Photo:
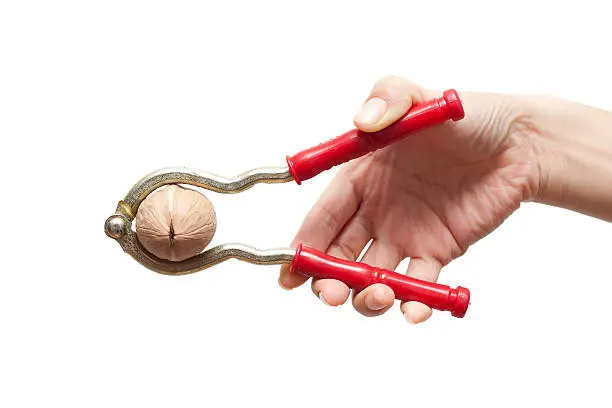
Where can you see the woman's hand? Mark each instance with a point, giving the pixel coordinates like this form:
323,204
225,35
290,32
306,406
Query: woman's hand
428,197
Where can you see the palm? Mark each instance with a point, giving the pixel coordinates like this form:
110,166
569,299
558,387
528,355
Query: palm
429,198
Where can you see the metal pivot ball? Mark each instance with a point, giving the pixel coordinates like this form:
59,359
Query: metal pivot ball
116,226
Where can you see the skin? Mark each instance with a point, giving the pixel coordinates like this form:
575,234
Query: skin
432,195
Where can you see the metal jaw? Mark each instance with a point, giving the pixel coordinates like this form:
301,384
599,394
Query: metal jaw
119,225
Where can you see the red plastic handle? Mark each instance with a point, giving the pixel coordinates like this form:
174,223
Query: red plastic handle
357,275
355,143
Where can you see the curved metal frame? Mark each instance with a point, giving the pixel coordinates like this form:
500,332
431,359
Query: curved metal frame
119,225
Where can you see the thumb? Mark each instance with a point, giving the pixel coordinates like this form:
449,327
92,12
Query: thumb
389,100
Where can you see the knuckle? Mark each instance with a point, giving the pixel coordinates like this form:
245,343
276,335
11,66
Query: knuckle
397,90
329,218
345,250
393,80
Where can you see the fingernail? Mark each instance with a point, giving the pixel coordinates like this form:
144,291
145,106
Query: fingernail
280,283
408,319
416,313
322,297
374,301
371,111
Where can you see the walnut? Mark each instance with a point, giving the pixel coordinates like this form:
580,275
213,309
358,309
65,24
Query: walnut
175,223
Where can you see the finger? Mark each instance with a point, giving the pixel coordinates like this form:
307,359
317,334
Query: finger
350,242
325,220
331,292
377,299
424,269
348,245
389,100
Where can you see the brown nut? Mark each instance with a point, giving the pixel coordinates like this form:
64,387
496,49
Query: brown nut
175,223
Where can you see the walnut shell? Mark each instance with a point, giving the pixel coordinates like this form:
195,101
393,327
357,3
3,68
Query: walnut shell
175,223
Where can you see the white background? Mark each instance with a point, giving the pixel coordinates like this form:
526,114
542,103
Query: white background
93,95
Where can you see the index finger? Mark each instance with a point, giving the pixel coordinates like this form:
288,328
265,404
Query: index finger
323,223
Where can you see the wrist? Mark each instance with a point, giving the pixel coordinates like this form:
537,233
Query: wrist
573,149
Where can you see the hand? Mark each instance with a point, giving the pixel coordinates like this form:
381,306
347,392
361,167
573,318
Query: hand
427,198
